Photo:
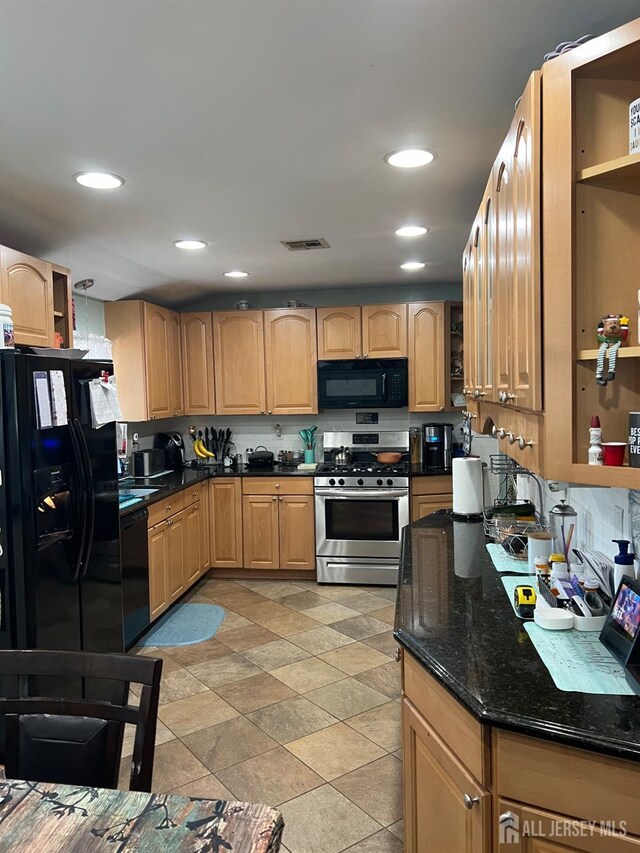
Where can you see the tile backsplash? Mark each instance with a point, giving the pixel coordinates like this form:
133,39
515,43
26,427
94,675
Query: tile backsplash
249,431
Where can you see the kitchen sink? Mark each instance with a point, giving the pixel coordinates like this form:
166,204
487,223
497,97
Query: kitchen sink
135,493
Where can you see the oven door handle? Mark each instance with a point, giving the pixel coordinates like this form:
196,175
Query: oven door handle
365,494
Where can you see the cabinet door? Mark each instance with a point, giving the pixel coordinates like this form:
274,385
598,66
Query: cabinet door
435,785
470,325
526,379
297,532
175,554
158,594
290,360
384,331
526,830
503,284
225,525
484,317
157,338
422,505
197,364
261,534
192,560
27,286
339,332
238,344
205,528
428,358
176,396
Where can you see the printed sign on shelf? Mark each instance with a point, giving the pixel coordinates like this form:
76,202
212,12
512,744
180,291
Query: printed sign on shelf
634,127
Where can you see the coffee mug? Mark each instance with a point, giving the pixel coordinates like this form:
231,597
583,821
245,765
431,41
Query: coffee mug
613,452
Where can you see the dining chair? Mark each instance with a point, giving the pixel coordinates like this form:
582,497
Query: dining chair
78,741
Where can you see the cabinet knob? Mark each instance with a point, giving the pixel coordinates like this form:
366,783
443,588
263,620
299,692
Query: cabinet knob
523,443
277,485
501,432
501,396
398,653
269,412
280,498
478,395
494,430
262,412
168,507
273,498
366,355
152,418
469,801
511,438
442,408
508,396
508,818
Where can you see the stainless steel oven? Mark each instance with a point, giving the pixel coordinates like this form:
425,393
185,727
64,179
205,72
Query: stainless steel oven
359,528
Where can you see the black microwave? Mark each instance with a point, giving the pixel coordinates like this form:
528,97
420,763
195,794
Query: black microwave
362,384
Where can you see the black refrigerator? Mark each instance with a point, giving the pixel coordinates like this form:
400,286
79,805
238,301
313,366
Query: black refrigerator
60,573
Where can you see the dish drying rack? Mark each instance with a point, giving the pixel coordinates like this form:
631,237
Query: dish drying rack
513,537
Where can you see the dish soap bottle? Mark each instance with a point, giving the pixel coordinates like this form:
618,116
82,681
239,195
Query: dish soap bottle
623,562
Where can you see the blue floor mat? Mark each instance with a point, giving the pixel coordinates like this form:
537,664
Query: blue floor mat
184,625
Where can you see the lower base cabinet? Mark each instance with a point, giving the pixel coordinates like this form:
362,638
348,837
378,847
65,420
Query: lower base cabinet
474,788
429,494
279,529
225,522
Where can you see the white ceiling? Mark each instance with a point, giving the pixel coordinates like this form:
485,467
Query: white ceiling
247,122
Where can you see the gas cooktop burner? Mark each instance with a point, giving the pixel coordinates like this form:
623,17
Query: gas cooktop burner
364,469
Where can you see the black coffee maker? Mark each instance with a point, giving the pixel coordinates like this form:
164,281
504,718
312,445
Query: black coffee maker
173,446
437,446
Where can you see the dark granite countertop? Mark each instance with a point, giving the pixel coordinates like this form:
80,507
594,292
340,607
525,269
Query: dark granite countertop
416,471
175,481
454,616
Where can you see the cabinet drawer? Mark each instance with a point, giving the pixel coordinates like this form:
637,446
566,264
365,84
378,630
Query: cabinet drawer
462,733
608,787
164,508
438,484
192,494
277,485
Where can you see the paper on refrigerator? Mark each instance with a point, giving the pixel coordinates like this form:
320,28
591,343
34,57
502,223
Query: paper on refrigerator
105,406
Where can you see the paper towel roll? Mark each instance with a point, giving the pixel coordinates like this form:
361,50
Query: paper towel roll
467,486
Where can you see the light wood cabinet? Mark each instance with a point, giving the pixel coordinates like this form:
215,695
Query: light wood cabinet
362,331
158,593
384,331
429,494
238,338
445,808
279,523
197,363
192,557
225,522
176,552
261,532
297,532
147,357
429,357
423,505
290,361
339,332
205,527
26,284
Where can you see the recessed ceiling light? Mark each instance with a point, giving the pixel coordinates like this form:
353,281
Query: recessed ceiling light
236,274
189,244
409,158
99,180
411,231
413,265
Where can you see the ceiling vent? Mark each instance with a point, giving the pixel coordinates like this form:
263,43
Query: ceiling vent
304,245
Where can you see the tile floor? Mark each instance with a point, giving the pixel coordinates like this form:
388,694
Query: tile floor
295,703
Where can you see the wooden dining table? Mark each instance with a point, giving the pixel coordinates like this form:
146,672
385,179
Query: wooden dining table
52,818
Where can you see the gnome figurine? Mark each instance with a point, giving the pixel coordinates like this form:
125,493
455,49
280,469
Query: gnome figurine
613,330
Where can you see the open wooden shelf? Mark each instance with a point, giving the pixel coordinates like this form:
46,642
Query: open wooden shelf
623,352
623,173
615,476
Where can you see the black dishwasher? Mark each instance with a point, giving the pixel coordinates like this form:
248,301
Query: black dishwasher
134,554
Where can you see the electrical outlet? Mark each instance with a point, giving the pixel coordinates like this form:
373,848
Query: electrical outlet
135,436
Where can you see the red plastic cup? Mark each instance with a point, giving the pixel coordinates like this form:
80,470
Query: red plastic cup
613,452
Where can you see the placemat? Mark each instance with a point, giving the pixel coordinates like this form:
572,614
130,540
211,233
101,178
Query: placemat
578,662
503,562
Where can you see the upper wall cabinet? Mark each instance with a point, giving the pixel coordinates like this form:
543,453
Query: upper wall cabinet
339,332
362,331
197,363
384,331
290,361
26,285
501,271
239,362
433,373
147,359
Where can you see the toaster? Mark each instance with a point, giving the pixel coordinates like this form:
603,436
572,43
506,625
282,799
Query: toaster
145,463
